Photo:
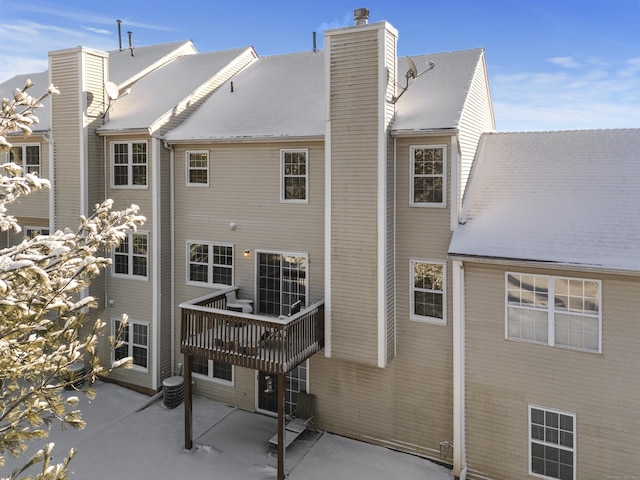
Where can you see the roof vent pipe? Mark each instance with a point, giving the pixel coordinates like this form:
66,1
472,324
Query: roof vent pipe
119,34
361,16
315,48
130,42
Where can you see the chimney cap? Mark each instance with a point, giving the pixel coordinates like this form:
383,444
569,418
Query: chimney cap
361,16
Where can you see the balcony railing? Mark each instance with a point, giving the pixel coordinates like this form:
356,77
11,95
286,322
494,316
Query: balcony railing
270,344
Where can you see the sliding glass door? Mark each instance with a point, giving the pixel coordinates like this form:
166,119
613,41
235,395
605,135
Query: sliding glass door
282,281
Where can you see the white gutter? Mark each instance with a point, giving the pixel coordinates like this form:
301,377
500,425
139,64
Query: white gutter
173,249
52,189
459,420
157,268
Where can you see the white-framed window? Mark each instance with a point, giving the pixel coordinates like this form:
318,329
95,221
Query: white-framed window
294,176
32,232
428,167
219,372
428,291
135,342
129,164
555,311
27,156
552,443
131,257
209,263
197,166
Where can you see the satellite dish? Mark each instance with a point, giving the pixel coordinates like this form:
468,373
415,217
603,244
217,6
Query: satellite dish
112,90
412,68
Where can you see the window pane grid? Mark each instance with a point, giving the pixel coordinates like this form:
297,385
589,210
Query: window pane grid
572,314
197,168
428,173
294,170
130,164
135,339
428,290
210,263
552,444
131,256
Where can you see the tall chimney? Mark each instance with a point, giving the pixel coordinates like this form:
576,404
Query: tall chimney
361,16
130,42
119,34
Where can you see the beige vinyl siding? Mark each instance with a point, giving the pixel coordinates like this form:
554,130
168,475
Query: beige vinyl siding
503,377
95,75
36,204
95,80
134,296
408,404
66,127
244,188
390,255
476,118
354,115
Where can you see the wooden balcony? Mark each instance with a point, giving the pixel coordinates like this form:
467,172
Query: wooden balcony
274,345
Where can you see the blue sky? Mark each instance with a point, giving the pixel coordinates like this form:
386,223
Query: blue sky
553,64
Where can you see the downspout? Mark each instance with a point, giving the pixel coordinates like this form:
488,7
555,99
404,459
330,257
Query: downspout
459,440
52,196
157,270
173,249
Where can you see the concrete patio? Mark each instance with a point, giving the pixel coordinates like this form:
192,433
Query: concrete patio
129,436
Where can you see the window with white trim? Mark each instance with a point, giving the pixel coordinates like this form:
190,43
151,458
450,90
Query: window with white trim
428,286
294,176
555,311
220,372
197,164
131,257
428,176
129,164
26,156
209,263
552,450
135,342
32,232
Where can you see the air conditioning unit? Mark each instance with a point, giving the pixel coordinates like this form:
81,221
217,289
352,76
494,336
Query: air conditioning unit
173,391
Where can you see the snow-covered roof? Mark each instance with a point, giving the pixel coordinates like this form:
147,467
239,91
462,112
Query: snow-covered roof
568,197
40,86
436,98
275,97
163,89
125,68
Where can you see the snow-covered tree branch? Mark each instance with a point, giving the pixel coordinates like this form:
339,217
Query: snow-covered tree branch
43,307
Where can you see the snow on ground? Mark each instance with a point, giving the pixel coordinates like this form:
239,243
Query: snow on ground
122,440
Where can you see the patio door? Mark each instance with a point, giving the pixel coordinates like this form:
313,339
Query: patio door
268,390
282,280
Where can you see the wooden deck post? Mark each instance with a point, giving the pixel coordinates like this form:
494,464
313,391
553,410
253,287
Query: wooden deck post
188,404
281,424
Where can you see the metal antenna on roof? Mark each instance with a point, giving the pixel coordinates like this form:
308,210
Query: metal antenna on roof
130,42
120,33
412,73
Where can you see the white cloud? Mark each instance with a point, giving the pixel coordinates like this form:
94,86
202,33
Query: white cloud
566,62
589,96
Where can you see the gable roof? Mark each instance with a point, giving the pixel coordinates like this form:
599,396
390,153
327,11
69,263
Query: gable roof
40,86
567,197
277,96
124,68
435,99
160,91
